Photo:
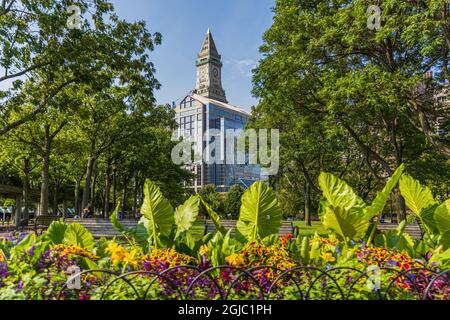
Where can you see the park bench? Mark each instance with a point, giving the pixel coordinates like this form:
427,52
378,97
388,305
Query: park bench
287,227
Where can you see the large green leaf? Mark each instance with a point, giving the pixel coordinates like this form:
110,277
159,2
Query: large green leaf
139,233
260,213
442,217
55,232
347,224
417,197
379,202
442,258
396,239
23,245
419,200
339,194
186,214
78,235
117,225
214,217
158,211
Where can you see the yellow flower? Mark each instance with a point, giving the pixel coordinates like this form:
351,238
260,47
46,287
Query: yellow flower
74,250
132,257
328,257
203,250
235,260
118,252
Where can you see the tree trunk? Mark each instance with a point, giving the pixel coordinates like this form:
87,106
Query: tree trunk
18,211
307,204
135,196
94,183
114,189
26,188
401,206
43,209
87,187
124,197
77,197
55,200
107,189
64,213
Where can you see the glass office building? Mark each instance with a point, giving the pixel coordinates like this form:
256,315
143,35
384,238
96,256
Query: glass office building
204,117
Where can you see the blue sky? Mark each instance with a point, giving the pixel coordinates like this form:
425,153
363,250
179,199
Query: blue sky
237,27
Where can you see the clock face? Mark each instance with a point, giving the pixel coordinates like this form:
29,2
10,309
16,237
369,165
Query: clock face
215,72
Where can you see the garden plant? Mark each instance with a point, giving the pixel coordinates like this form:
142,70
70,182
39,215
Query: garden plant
161,258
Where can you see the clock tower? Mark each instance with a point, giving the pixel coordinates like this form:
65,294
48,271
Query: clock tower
209,71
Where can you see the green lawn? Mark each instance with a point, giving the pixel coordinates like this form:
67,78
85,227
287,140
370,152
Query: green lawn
309,231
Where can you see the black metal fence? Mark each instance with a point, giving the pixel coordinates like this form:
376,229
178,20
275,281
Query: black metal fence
261,283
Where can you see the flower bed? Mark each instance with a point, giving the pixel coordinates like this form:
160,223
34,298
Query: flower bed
161,259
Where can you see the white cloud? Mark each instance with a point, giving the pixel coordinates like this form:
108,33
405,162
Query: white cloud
243,66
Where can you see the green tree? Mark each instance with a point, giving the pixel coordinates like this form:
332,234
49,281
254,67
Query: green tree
232,202
213,198
351,100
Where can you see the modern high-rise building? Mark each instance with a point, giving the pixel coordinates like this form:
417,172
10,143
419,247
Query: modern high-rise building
207,110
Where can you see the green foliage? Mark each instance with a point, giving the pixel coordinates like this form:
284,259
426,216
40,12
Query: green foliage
345,213
56,232
214,217
395,239
442,217
157,211
139,234
260,214
78,235
346,223
420,201
232,201
209,195
186,215
338,193
379,202
435,217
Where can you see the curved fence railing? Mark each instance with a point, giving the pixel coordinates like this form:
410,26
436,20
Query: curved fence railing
260,283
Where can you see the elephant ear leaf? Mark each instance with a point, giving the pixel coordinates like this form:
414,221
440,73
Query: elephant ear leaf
186,215
417,197
339,194
260,214
116,223
379,202
55,232
78,235
157,210
419,200
442,217
139,233
214,217
347,224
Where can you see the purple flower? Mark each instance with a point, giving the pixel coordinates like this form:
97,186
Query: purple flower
3,270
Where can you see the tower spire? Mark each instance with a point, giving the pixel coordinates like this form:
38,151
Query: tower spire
209,70
209,47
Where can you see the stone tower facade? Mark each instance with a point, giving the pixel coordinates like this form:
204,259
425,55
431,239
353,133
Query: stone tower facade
209,71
